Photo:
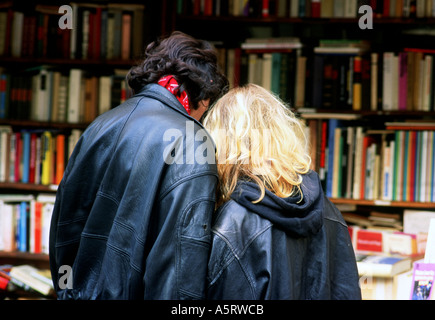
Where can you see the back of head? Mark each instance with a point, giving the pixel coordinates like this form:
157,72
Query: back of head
192,62
257,138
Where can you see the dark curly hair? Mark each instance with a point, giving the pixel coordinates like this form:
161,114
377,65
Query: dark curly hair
192,62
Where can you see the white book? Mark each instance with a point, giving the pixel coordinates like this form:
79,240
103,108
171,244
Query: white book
41,105
387,83
105,94
74,95
427,83
47,212
73,37
17,34
267,71
7,233
4,153
350,8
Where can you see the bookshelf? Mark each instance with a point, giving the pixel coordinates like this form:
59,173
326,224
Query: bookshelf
53,82
341,79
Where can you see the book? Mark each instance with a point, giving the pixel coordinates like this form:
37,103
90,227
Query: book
369,240
382,265
32,277
422,281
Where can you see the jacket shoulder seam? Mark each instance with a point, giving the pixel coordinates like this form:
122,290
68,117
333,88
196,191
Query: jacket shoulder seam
184,179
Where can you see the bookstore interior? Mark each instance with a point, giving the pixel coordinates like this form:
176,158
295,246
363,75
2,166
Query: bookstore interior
359,73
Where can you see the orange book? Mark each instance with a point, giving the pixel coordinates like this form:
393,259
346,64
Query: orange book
60,157
126,36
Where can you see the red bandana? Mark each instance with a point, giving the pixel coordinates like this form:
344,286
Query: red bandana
171,84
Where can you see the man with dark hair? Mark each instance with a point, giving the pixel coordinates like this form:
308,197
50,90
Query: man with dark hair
128,222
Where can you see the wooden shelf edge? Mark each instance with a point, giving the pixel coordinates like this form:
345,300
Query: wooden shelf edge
385,203
43,124
28,187
306,20
17,255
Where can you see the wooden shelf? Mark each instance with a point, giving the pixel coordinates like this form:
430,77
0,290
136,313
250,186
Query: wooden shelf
39,260
69,62
383,203
274,19
28,187
41,124
24,255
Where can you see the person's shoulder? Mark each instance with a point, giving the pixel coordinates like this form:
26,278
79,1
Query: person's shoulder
238,226
331,213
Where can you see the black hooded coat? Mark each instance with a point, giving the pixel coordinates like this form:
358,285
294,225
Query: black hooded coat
281,248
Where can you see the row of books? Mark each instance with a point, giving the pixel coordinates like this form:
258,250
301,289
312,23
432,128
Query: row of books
97,31
25,222
407,279
35,156
26,281
337,74
307,8
390,255
358,163
389,232
54,95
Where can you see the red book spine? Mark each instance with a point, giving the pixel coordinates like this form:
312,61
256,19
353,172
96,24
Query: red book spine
18,156
369,241
265,9
38,227
32,163
208,7
386,11
315,8
403,80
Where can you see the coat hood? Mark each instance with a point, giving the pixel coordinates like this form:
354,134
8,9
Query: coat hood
296,217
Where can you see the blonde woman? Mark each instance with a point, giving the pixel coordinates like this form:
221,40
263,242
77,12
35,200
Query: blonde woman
275,234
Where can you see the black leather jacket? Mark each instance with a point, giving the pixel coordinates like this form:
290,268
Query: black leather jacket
130,224
281,248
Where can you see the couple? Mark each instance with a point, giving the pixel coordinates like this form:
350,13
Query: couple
256,225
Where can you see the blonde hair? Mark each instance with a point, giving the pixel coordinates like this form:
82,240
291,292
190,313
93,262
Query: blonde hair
257,137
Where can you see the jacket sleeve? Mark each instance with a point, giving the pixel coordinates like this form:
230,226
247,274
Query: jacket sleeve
344,277
176,266
227,279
